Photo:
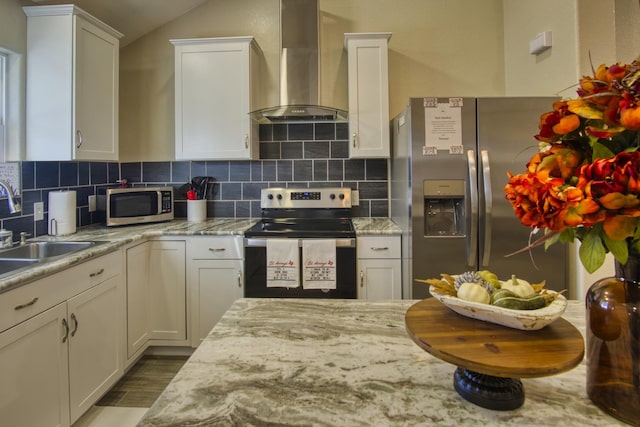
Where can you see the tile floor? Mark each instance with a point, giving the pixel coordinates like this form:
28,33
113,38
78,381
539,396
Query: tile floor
128,400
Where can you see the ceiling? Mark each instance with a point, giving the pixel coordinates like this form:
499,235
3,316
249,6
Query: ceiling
133,18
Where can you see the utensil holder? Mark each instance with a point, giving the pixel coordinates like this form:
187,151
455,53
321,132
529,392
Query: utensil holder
196,210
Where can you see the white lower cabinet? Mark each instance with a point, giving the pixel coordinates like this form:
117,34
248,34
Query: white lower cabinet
57,363
156,295
215,280
35,373
379,268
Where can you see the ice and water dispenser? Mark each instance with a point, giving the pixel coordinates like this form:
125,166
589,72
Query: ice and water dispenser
443,207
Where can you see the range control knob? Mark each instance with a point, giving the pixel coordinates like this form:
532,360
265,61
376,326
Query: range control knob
332,196
341,196
279,196
270,197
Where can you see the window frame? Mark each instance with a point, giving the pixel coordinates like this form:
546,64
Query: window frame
4,59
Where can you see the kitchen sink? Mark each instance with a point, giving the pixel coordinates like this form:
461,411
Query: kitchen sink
39,251
12,265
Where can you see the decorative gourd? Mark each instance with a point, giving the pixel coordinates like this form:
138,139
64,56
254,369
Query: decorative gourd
520,287
473,292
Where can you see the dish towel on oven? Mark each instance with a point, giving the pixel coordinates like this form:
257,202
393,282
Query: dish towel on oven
283,263
319,264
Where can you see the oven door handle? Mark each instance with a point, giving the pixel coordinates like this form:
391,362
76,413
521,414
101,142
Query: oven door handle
340,243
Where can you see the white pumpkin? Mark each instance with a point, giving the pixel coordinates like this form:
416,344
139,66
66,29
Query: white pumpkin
473,292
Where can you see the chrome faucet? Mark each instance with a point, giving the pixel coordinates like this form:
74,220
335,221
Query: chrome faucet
14,206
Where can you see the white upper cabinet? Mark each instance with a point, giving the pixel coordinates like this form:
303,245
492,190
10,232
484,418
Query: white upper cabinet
368,94
72,85
215,90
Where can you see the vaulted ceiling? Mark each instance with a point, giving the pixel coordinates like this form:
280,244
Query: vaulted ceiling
133,18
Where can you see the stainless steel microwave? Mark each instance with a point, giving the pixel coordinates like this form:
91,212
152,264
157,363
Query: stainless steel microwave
124,206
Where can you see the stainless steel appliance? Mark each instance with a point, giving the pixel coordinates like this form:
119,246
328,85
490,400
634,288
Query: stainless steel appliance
123,206
302,213
448,171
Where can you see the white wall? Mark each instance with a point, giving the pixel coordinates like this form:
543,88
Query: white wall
437,48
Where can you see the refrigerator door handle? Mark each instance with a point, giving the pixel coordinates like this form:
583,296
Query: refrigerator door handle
472,239
488,206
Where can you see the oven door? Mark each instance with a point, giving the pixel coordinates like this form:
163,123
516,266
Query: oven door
255,273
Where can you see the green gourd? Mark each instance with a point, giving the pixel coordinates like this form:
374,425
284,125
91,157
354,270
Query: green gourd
506,299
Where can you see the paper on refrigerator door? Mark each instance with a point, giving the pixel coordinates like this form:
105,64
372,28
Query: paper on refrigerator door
283,263
319,264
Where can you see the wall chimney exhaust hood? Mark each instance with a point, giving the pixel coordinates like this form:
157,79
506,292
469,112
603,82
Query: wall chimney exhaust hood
299,68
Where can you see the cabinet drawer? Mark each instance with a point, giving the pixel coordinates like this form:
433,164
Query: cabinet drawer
19,304
379,247
215,248
101,269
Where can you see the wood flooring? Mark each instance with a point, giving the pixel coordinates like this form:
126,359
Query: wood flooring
144,382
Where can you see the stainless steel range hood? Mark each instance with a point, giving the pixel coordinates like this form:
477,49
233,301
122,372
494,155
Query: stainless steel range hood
299,68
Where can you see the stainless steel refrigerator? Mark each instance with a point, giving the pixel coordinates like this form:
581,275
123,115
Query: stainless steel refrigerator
448,171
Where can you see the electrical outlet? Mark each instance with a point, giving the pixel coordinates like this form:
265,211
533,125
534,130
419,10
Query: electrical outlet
38,211
355,198
92,203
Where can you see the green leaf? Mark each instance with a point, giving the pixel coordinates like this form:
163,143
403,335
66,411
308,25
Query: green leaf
601,151
568,235
618,248
592,251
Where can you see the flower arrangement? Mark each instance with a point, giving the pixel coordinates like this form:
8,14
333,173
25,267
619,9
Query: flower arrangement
584,182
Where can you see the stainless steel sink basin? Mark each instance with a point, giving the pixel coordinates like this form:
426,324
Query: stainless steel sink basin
12,265
42,250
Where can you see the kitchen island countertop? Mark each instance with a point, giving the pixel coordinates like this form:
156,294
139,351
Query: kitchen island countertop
344,363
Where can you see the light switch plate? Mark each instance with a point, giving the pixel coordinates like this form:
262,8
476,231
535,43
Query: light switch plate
38,211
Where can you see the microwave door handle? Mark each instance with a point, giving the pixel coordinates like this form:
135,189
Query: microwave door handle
472,239
488,207
159,197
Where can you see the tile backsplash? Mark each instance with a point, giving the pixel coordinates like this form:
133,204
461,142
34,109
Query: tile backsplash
294,154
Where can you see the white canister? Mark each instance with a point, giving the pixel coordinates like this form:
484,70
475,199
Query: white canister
62,213
196,210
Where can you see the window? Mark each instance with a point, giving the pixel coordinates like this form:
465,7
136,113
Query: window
3,104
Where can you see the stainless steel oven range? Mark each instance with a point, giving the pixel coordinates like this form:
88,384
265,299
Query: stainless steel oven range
302,216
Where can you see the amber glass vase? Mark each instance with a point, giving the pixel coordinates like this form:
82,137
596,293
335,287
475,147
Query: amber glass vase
613,342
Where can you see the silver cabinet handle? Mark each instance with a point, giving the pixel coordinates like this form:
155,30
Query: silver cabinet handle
354,137
79,138
217,249
382,248
75,324
66,330
239,279
246,141
361,279
97,273
26,304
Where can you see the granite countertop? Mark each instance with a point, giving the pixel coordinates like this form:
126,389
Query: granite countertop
115,237
375,226
344,363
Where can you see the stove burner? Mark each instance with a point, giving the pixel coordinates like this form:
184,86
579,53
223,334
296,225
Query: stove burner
298,228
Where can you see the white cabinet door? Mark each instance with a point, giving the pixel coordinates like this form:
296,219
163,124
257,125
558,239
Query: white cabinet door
379,279
72,85
96,108
167,290
214,93
379,267
368,80
137,298
215,285
156,295
95,341
34,373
